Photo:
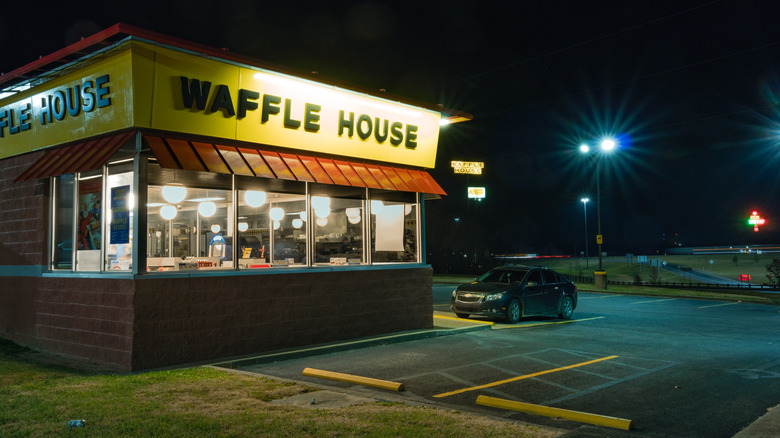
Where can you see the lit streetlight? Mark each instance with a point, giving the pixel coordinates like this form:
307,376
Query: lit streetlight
606,146
585,210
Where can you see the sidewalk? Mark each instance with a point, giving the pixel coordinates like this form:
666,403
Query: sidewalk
767,426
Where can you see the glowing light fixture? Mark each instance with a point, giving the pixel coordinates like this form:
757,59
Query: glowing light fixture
174,194
354,220
377,206
352,212
322,221
168,212
207,209
297,222
276,225
320,201
322,211
276,214
608,145
243,226
255,198
215,228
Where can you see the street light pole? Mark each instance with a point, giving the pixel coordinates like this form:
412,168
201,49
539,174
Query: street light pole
599,238
585,211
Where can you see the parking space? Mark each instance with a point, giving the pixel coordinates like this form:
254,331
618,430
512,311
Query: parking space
620,356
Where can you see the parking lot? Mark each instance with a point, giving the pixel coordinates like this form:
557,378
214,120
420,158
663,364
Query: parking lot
672,367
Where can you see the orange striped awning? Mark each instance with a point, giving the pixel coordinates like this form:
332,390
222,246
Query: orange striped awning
209,157
79,157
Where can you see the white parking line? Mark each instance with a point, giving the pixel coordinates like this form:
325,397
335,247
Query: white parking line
654,301
718,305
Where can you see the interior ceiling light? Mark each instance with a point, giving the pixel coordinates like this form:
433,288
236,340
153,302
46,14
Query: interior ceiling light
255,198
207,209
276,214
174,194
168,212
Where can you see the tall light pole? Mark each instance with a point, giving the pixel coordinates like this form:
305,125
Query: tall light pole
607,145
585,211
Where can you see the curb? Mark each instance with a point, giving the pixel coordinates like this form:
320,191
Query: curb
373,341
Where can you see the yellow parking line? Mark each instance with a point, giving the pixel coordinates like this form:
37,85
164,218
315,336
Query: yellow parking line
526,376
545,323
582,417
367,381
475,321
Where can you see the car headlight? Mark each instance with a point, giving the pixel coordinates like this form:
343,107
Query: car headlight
495,296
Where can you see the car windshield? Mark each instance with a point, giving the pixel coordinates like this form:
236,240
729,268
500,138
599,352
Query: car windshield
502,276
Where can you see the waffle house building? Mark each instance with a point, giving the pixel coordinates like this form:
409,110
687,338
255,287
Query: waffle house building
166,202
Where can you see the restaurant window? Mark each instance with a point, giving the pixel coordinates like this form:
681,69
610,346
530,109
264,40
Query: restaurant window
394,220
271,223
62,222
119,203
89,225
339,222
287,214
189,220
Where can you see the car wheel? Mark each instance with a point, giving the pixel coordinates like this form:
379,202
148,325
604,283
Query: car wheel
566,308
513,312
462,315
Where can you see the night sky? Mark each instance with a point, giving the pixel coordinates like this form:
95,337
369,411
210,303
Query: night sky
689,89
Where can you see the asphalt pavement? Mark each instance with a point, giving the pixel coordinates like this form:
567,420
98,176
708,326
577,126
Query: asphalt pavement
445,324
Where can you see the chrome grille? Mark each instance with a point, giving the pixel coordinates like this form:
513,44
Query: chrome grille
466,297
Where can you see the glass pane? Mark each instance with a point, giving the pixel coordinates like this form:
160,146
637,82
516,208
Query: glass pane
338,230
63,223
253,230
89,231
394,232
288,220
119,200
189,228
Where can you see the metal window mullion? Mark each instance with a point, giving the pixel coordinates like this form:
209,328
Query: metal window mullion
367,236
236,241
140,220
74,229
104,203
52,221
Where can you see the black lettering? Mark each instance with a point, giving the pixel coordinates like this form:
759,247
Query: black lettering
58,105
243,101
289,122
101,91
364,119
194,92
3,121
349,124
223,101
270,106
396,135
24,117
311,117
88,103
378,135
411,137
73,100
13,128
45,110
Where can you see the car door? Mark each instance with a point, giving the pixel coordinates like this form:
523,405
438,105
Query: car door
553,289
533,293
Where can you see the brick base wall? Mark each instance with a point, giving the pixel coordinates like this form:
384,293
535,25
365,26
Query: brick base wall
152,322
